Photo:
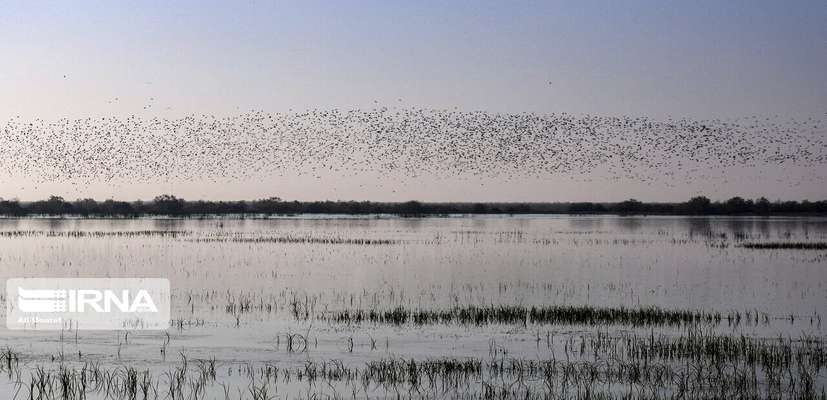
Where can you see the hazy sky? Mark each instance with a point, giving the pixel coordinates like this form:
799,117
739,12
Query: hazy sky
697,59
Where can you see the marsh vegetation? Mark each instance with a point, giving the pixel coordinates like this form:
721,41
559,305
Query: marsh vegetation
586,307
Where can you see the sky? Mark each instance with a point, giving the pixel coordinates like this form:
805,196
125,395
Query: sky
699,59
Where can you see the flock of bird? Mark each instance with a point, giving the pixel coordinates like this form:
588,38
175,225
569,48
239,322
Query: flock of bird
401,141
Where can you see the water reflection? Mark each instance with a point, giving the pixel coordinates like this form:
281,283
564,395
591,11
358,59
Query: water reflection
667,261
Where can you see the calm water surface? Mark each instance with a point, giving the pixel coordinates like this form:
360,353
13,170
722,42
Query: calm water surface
327,264
675,262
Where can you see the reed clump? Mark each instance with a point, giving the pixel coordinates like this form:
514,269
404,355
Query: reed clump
524,315
786,245
92,234
596,366
289,239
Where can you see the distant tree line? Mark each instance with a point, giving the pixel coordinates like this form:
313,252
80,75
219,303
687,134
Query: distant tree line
172,206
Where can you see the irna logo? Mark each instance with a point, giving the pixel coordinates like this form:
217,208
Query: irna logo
82,300
72,303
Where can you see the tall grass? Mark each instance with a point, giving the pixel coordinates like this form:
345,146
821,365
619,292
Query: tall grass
524,315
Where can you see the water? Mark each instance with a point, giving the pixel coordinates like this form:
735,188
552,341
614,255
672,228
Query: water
326,264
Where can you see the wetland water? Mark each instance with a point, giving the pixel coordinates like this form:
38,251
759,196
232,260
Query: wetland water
268,307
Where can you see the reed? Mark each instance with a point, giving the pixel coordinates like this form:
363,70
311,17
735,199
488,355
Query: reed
524,315
786,245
